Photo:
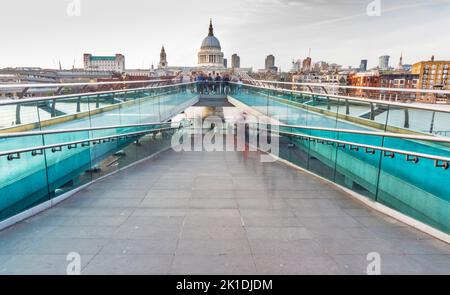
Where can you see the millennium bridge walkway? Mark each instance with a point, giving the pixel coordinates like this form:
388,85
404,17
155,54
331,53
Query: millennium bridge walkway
100,177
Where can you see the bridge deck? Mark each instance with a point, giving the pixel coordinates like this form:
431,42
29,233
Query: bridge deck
216,213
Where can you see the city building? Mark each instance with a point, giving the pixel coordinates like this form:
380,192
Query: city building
330,77
364,79
225,62
210,54
384,62
162,59
432,74
363,65
270,62
385,79
296,66
104,63
143,73
235,61
27,75
320,66
399,80
307,64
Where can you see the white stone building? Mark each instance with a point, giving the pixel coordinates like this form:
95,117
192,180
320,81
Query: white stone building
210,54
104,63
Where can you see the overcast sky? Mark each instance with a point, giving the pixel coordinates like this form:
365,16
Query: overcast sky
40,32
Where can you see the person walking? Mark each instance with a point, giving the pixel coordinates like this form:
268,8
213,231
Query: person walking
201,83
217,83
239,86
226,84
210,83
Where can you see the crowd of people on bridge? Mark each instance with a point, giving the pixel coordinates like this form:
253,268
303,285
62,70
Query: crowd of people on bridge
214,83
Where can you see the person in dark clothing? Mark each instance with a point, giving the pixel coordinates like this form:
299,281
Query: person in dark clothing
210,83
217,80
201,84
198,80
226,84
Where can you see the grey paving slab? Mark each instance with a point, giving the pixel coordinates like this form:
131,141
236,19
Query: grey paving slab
147,231
437,264
211,220
93,221
304,265
130,202
358,246
215,213
140,246
253,194
262,203
214,264
63,246
212,247
328,221
267,212
38,264
277,233
389,264
221,203
210,212
149,264
319,212
168,194
3,258
156,220
213,232
161,202
323,233
149,212
80,232
272,222
298,248
213,194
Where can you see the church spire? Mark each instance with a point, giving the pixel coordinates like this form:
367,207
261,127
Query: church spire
400,62
162,59
211,30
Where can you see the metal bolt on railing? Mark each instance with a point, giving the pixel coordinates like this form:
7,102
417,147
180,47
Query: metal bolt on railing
441,164
37,153
412,159
13,156
369,151
56,149
354,148
389,154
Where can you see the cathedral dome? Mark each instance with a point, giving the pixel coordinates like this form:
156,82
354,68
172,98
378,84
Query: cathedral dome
211,42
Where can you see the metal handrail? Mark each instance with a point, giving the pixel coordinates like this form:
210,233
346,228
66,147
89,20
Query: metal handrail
373,133
387,152
68,96
58,131
47,85
350,98
415,90
73,144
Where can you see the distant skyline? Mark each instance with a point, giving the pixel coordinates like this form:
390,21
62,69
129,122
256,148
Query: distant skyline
41,33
